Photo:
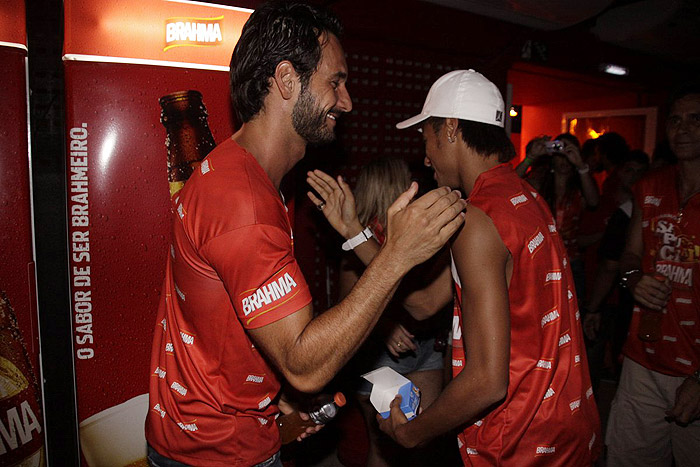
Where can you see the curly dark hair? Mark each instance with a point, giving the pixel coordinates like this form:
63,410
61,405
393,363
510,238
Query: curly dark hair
275,32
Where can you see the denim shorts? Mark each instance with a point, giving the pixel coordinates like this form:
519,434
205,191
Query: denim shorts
424,358
156,460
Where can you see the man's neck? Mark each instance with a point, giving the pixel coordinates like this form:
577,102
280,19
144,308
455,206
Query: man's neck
474,165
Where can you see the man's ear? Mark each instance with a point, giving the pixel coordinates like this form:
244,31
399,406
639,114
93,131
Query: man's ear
286,79
451,128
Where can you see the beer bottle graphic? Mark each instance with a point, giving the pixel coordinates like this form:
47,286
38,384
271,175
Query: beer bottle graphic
189,138
20,410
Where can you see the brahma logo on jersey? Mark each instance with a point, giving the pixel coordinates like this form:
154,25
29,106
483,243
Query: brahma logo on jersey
552,276
518,199
652,200
564,339
535,242
159,411
545,450
205,166
178,388
267,296
159,372
255,379
456,329
684,301
472,451
193,32
575,405
548,394
589,392
552,228
678,274
188,426
549,317
684,361
187,338
544,364
591,442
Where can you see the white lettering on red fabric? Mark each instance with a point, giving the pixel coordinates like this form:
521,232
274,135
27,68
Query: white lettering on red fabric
550,317
577,359
575,405
263,421
518,199
254,379
678,274
544,364
205,166
648,350
268,293
565,339
456,328
472,452
160,372
684,301
686,323
652,200
541,450
160,411
550,392
264,403
188,426
536,241
670,338
457,363
179,388
591,442
180,211
164,324
169,347
569,294
479,423
553,276
684,361
589,392
180,293
552,228
187,338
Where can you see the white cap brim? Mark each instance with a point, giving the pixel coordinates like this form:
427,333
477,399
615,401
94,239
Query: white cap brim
412,121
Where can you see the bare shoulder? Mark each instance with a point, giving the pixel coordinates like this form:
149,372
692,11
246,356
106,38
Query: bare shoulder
477,235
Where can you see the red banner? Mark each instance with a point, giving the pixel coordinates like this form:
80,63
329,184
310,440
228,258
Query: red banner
118,193
21,422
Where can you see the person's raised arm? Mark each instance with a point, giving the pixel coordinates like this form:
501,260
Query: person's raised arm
482,262
589,189
338,206
309,352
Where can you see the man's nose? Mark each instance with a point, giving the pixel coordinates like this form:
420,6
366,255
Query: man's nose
344,100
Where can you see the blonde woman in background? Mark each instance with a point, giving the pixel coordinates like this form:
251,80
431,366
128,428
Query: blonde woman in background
414,348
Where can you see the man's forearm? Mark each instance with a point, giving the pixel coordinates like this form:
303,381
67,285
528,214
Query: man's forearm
329,340
462,401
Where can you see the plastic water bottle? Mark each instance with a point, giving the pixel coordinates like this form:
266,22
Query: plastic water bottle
324,410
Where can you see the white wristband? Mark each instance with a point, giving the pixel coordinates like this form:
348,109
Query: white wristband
584,170
358,239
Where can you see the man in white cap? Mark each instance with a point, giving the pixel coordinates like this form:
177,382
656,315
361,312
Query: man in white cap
521,391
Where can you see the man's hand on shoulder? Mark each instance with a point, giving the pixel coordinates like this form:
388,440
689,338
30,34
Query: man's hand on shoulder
417,230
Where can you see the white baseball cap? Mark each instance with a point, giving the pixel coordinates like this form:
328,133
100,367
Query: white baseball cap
463,94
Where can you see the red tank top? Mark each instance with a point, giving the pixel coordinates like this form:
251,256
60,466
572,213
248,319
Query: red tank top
549,416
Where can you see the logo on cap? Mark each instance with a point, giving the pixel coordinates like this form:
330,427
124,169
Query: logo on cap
499,116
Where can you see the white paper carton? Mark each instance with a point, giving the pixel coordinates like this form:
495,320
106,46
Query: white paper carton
386,384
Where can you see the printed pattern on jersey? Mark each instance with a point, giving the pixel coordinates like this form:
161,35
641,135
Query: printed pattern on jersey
671,236
554,421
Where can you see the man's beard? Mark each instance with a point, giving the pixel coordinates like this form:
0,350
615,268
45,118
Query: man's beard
309,119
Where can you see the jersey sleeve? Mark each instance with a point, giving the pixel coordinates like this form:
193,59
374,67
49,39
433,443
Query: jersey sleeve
257,266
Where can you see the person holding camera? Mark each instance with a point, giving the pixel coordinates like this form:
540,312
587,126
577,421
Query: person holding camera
567,186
